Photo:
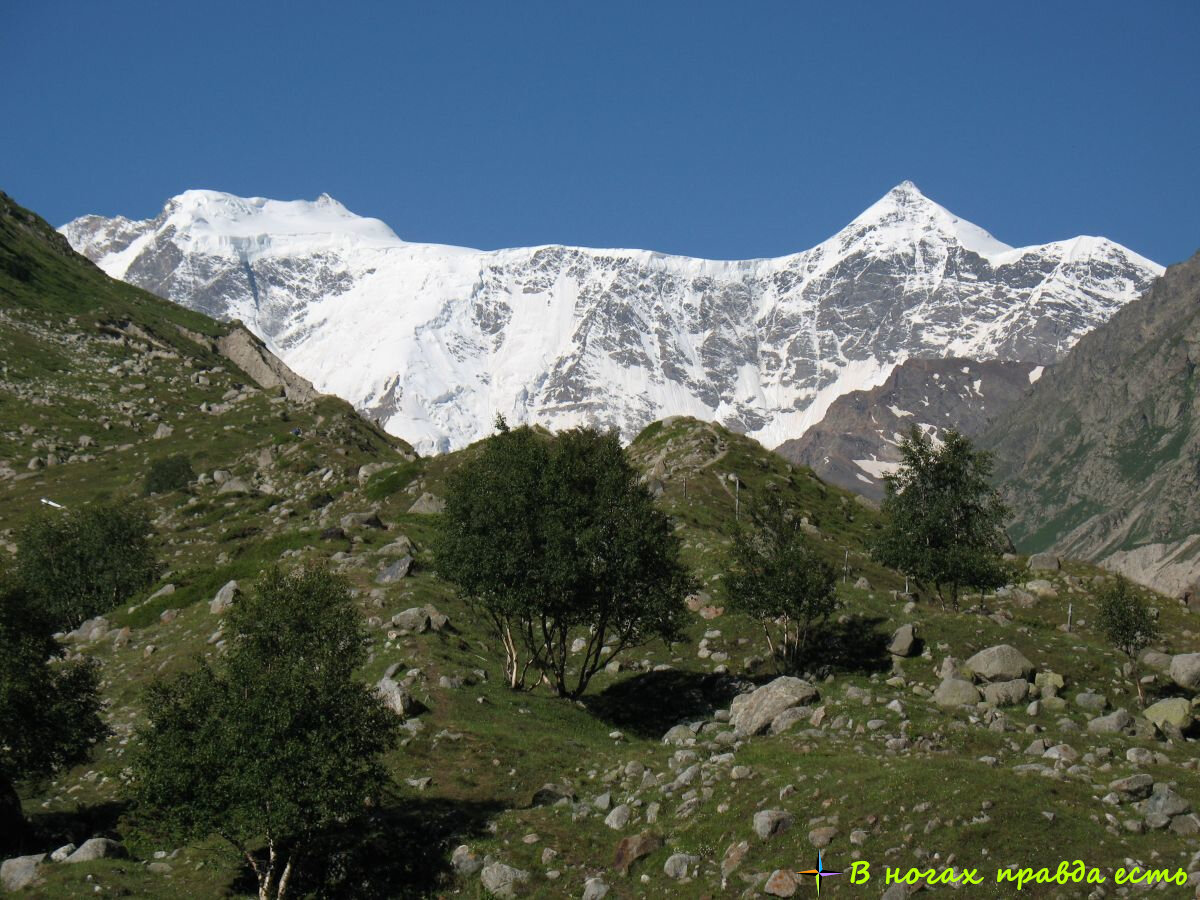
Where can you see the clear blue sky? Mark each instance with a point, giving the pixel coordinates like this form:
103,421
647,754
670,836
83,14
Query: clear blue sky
727,130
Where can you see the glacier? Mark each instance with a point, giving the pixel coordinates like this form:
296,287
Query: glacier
433,341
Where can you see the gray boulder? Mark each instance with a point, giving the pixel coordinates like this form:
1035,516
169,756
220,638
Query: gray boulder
594,889
401,546
20,871
224,599
395,571
1114,723
904,641
234,486
954,692
770,822
679,864
465,861
1006,693
1185,671
1091,702
502,880
97,848
1000,663
397,697
1044,562
752,713
415,619
368,519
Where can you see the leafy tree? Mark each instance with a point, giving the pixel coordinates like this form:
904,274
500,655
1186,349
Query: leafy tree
779,580
1125,620
170,473
49,708
79,563
277,744
943,522
555,539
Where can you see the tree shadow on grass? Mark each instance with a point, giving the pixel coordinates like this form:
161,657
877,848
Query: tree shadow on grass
854,645
652,702
399,850
49,830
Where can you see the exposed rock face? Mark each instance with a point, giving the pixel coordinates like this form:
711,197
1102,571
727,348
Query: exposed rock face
857,443
250,355
1100,461
435,340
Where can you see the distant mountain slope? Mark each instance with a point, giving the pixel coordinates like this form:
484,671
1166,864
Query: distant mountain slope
99,378
1103,460
856,444
435,340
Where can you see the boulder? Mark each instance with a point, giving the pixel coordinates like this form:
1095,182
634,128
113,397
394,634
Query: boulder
770,822
395,571
97,848
631,849
1044,562
365,472
234,486
1176,711
1156,661
594,889
752,713
956,692
465,861
401,546
1133,787
20,871
1091,702
549,794
904,641
428,504
1166,802
1000,663
415,619
502,880
1006,693
619,817
1185,671
780,883
368,519
397,698
438,621
1114,723
224,599
679,864
788,718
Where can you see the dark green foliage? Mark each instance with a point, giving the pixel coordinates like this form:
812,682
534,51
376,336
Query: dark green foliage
943,522
170,473
553,539
278,743
80,563
49,708
1124,618
780,581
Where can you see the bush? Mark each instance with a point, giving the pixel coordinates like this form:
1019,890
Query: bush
79,563
171,473
1123,618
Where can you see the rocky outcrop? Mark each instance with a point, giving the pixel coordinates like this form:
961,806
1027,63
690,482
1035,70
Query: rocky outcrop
267,370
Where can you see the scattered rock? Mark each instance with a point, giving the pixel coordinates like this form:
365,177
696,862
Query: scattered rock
97,848
619,817
594,889
1113,723
415,620
1044,562
20,871
770,822
631,849
1185,671
395,571
780,883
752,713
1176,711
679,864
428,504
465,861
956,692
1000,663
368,519
1006,693
502,880
224,599
904,641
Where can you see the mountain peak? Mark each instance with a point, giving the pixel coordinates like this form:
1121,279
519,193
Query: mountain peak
904,215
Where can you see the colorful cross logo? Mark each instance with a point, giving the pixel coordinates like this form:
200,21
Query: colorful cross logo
819,871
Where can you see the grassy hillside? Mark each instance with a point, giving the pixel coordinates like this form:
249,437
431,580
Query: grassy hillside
899,780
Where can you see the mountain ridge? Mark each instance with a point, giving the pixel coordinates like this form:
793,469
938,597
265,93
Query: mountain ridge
434,340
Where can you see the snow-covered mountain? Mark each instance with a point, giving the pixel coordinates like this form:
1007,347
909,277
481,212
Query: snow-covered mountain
436,340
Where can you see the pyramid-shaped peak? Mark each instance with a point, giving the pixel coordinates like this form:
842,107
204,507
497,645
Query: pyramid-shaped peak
904,215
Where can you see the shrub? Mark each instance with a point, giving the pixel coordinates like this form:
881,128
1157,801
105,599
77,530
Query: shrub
170,473
79,563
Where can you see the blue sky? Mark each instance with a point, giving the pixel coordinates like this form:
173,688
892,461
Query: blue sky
726,130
